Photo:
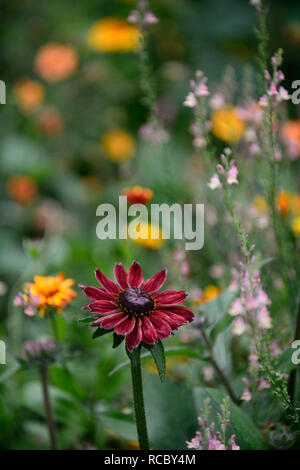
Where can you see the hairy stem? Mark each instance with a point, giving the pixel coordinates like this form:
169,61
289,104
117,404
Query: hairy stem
138,398
48,408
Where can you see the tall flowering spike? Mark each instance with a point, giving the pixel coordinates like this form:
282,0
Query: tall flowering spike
136,309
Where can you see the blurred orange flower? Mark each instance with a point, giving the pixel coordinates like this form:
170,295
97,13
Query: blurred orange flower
50,122
113,35
22,189
29,94
210,293
118,145
49,291
138,195
291,133
284,199
54,62
227,124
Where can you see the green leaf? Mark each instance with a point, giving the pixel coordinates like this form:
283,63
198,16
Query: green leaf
170,411
86,320
158,354
117,340
247,434
123,425
221,326
175,351
100,332
62,378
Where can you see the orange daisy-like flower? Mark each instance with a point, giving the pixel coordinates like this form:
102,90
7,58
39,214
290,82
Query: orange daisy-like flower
22,189
54,62
113,35
138,195
46,292
29,94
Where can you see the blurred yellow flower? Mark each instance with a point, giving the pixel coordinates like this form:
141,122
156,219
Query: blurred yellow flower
296,226
113,35
50,291
227,124
54,62
260,203
210,293
118,145
147,231
29,94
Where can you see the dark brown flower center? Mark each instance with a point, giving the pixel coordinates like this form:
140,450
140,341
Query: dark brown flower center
136,301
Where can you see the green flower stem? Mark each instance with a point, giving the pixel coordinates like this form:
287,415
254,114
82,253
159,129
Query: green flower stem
292,381
54,325
138,398
48,407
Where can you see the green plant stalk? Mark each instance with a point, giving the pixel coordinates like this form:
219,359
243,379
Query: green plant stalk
292,381
48,407
138,398
219,370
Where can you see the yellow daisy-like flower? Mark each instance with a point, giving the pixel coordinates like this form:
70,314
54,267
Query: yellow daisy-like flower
296,226
114,35
119,146
227,124
150,236
49,291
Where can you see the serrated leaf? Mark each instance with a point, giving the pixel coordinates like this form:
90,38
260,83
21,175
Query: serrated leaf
117,340
158,354
100,332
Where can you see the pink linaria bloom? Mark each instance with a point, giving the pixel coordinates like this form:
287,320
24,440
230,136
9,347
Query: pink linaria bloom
134,308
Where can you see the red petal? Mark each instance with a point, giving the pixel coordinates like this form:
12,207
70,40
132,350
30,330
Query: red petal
107,283
126,327
111,321
135,337
121,276
180,310
175,321
101,316
135,275
170,297
155,282
149,332
95,293
163,328
102,306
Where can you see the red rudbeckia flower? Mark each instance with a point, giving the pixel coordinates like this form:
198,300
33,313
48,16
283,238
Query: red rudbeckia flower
136,309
